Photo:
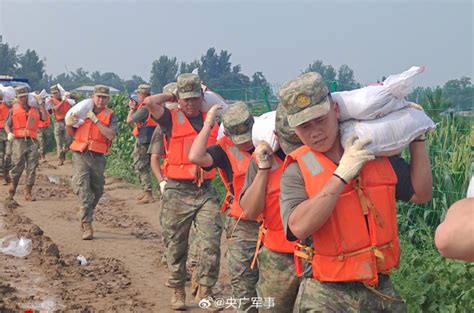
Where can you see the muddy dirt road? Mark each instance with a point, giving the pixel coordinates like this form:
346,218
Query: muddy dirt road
124,273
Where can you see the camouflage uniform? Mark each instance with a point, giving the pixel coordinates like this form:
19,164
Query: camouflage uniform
315,296
42,135
62,138
185,204
24,156
305,98
88,172
5,154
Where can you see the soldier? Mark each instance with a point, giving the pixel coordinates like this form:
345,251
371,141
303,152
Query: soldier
91,143
22,129
5,145
261,196
43,129
143,131
231,156
189,197
60,108
344,201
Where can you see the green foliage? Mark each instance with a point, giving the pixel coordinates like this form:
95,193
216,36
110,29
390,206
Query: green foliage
345,75
31,67
8,59
163,71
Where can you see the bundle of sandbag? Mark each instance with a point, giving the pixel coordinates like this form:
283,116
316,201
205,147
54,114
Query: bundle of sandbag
80,111
264,130
381,112
64,96
8,93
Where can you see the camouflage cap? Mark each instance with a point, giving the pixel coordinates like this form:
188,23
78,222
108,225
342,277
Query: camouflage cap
171,88
21,91
189,86
238,122
143,89
101,90
305,98
287,137
53,89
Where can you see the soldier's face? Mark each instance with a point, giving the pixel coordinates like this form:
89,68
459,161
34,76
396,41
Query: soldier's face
57,95
100,101
320,134
23,100
191,106
141,97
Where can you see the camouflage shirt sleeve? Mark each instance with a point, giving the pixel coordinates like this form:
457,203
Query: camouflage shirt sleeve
114,123
140,115
156,143
292,193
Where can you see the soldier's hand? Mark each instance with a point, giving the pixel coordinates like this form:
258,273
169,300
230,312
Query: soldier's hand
10,137
71,120
162,186
132,104
263,154
354,158
90,115
416,106
212,114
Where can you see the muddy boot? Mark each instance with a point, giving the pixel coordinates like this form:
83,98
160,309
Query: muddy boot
87,231
178,299
194,283
10,203
205,292
43,158
28,194
147,198
6,179
61,161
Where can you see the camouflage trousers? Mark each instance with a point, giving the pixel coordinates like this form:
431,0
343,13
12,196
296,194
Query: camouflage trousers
186,205
5,155
141,163
62,138
88,181
315,296
24,157
278,280
242,238
42,134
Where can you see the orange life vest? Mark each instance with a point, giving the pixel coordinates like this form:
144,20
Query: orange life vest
360,238
47,122
3,114
60,113
89,137
271,232
25,123
150,122
239,161
182,136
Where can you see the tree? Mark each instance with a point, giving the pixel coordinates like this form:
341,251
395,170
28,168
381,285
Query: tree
163,71
346,79
108,79
31,67
188,68
8,59
327,71
132,84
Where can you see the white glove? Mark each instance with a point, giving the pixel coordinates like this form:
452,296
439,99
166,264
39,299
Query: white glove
71,120
213,113
10,137
354,158
263,154
90,115
162,186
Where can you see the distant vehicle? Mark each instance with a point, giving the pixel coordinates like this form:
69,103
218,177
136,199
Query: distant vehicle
14,81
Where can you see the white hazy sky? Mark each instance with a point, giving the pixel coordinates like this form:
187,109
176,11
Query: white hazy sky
279,38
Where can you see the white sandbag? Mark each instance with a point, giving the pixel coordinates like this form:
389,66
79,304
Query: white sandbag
264,130
211,98
373,102
470,188
80,110
391,133
62,92
43,94
32,100
220,133
9,94
72,102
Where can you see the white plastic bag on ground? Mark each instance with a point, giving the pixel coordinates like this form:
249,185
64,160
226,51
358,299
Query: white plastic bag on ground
32,100
391,133
12,245
211,98
264,130
9,93
373,102
80,110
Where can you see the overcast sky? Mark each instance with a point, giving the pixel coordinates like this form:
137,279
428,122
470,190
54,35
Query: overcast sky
279,38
